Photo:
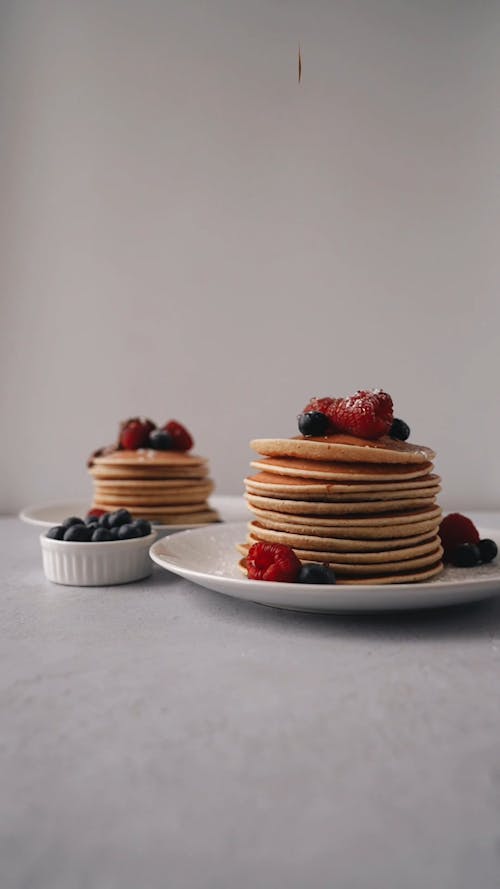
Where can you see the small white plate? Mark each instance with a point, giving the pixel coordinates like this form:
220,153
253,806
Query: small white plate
230,508
207,556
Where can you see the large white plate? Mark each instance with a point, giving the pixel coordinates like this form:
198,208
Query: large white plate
207,556
45,515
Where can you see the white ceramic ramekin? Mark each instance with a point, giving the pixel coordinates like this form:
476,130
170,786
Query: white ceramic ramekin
96,564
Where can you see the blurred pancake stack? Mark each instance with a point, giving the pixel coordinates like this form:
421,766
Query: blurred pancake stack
150,473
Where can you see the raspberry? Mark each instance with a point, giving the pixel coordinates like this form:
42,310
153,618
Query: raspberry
182,440
321,405
454,530
272,561
95,512
367,414
134,433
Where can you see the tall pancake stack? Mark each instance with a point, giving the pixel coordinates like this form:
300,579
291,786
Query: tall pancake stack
368,508
167,487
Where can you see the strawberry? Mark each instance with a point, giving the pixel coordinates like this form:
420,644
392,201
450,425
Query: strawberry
272,561
134,433
367,414
454,530
182,439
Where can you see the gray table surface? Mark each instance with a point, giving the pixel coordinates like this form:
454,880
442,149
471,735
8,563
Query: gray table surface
159,735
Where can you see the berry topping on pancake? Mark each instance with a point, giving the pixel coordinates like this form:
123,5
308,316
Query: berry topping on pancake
366,414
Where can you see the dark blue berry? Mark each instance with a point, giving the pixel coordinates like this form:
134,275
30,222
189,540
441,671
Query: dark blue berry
103,520
100,535
119,517
316,573
399,430
56,533
143,527
161,440
313,423
488,550
115,531
77,534
91,520
126,532
466,555
72,520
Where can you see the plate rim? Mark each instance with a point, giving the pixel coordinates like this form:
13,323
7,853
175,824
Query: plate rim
216,499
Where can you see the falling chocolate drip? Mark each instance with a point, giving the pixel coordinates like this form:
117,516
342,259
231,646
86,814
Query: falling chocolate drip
300,65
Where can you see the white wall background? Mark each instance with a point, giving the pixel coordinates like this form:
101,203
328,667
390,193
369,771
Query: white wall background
187,232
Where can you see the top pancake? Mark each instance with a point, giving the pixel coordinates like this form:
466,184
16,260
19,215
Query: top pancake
344,448
147,457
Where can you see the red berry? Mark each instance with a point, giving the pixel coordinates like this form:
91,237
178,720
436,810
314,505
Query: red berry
319,404
181,438
96,512
367,414
134,433
272,561
454,530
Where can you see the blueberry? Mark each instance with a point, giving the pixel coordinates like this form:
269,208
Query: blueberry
56,533
466,555
488,550
100,535
119,517
143,527
313,423
72,520
161,440
316,573
399,430
103,520
91,520
77,534
115,532
126,532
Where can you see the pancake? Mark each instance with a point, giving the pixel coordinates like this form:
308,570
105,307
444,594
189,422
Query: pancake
397,577
125,485
343,542
189,494
148,472
359,530
410,516
342,550
268,481
171,509
263,484
344,448
148,457
132,503
337,508
359,569
336,471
